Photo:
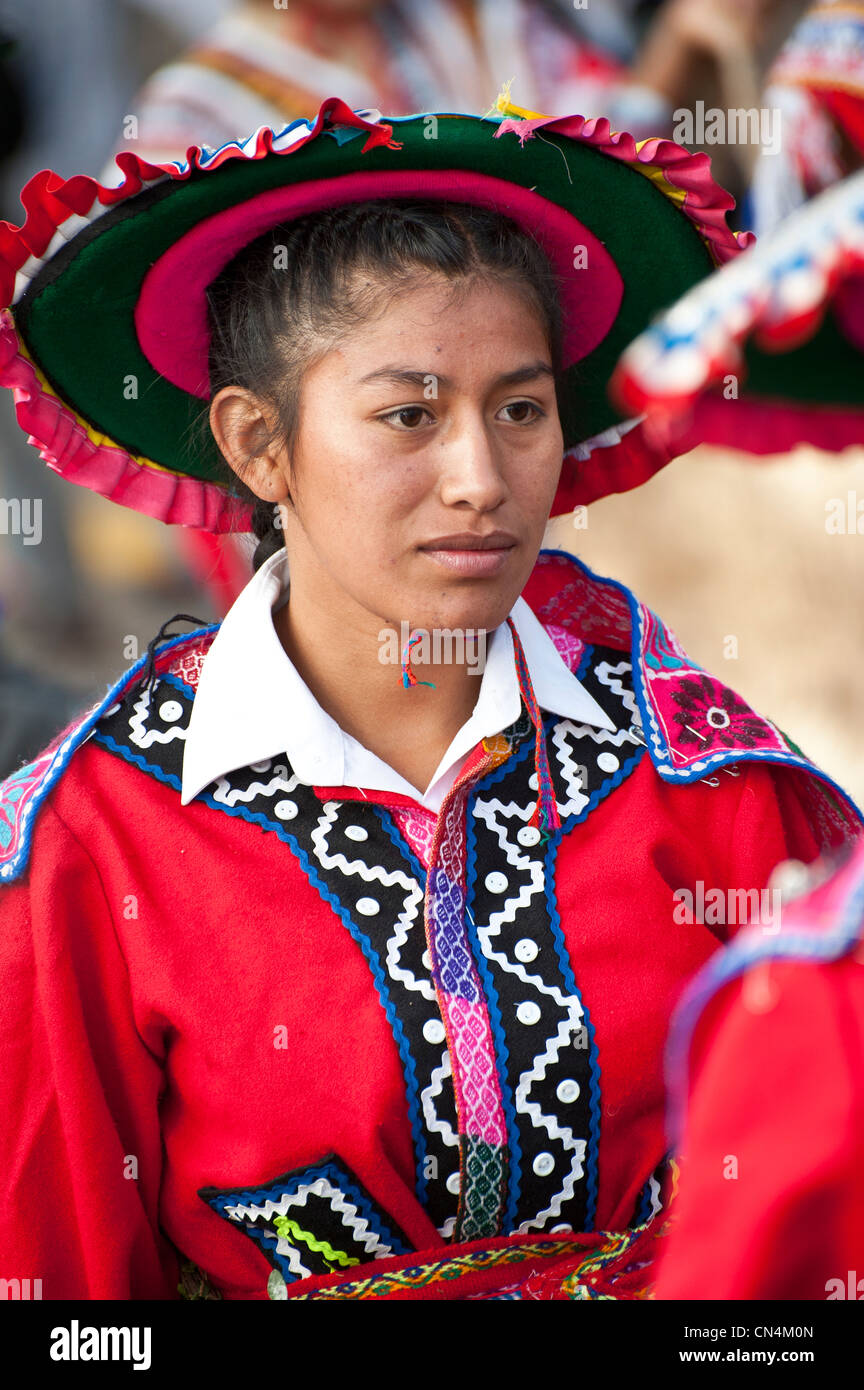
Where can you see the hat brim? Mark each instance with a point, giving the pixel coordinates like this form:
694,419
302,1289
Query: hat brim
768,353
105,341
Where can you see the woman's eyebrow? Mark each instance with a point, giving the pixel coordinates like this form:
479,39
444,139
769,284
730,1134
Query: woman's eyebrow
408,376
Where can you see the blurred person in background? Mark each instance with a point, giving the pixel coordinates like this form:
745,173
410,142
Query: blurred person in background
266,64
65,74
817,84
37,578
700,52
633,61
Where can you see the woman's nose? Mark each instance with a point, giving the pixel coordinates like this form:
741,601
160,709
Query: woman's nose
471,467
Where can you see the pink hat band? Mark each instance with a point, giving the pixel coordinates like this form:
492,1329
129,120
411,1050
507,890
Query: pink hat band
171,313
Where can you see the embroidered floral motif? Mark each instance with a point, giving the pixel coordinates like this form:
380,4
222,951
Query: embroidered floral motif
710,714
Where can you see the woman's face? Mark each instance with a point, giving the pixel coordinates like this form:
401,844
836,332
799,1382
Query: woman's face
436,418
432,420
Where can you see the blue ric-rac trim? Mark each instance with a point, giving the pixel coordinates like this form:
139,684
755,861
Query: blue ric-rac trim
335,1175
401,844
258,1196
354,929
12,868
586,662
643,1205
502,1052
732,960
658,745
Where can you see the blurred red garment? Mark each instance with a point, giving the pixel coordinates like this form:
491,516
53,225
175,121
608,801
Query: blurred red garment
770,1203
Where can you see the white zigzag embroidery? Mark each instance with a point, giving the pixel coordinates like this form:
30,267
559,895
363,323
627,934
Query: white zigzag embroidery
146,738
608,675
567,1027
228,795
427,1096
359,1225
408,918
654,1194
576,798
373,874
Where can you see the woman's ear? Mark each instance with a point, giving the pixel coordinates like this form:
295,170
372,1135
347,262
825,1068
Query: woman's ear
243,426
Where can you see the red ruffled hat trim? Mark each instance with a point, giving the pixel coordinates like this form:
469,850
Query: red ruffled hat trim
56,209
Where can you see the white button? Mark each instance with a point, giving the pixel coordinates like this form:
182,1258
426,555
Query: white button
567,1091
114,708
528,835
368,906
528,1012
607,762
558,1230
427,961
356,832
453,1184
532,781
285,810
434,1031
263,766
526,949
170,711
496,882
543,1165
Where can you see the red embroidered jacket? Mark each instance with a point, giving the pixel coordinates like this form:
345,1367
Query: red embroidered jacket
322,1044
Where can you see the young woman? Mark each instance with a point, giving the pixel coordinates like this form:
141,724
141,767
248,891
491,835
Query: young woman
340,939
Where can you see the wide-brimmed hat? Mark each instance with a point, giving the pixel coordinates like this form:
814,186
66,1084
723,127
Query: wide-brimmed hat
767,353
105,341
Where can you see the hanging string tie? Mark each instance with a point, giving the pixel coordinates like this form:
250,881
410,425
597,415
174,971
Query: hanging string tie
149,673
408,676
544,817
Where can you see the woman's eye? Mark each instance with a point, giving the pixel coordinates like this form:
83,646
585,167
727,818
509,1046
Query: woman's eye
523,406
398,416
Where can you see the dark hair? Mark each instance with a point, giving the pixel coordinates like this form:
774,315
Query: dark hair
290,294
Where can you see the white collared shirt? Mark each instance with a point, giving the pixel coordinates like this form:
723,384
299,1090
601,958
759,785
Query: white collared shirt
252,704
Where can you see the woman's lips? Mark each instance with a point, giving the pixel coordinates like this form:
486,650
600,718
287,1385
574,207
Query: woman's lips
477,562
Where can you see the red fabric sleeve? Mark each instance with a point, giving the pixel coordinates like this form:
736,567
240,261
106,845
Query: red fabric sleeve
769,1205
771,822
80,1143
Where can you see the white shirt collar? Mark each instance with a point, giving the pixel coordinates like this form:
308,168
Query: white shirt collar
252,704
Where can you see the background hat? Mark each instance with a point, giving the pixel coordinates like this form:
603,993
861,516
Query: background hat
104,342
786,321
